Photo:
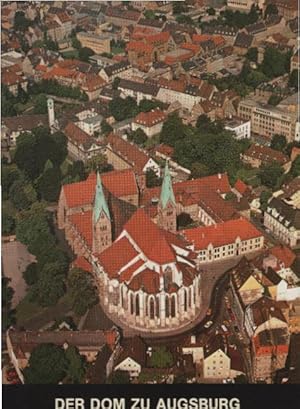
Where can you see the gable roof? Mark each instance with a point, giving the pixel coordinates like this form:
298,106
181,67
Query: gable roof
128,151
222,233
243,40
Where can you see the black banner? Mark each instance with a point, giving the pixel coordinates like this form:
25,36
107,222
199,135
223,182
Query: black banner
194,396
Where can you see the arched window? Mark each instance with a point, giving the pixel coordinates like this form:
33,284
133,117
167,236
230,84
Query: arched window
173,306
131,304
185,301
137,305
152,309
167,304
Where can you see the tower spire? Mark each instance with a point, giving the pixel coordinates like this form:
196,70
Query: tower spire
167,194
100,201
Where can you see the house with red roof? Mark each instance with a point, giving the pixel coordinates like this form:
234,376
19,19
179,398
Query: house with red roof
150,122
221,241
13,80
122,154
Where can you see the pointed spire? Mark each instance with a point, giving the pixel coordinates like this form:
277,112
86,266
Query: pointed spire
100,201
167,193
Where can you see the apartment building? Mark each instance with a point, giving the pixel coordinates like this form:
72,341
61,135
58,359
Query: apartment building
98,43
267,120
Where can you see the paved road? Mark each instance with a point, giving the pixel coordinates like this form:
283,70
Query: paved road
15,259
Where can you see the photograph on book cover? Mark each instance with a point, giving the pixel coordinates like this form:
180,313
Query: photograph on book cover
150,192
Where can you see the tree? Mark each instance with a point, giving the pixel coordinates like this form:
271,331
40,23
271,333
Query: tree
21,23
252,54
149,14
59,150
50,285
17,195
10,173
271,9
264,198
8,223
152,179
76,43
240,379
270,174
161,358
85,53
76,366
274,99
123,108
278,142
199,170
25,155
105,127
40,104
274,63
49,184
184,220
230,196
147,105
211,11
295,169
8,314
294,79
120,377
116,82
81,290
172,130
138,136
31,274
47,365
98,162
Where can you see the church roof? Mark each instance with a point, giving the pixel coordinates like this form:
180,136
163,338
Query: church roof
119,183
167,194
100,204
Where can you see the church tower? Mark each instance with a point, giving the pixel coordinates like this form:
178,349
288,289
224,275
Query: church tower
167,204
102,236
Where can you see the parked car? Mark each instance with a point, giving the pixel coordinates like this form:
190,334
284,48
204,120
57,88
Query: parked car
208,324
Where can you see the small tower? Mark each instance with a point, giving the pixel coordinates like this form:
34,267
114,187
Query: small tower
167,204
102,237
51,114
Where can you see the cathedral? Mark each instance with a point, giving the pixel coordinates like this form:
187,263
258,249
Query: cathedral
145,271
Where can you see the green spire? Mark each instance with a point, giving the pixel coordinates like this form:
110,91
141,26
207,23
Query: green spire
167,193
100,202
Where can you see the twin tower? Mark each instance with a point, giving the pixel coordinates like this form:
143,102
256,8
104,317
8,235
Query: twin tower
102,223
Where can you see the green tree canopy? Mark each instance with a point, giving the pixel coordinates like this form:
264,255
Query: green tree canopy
274,63
8,314
105,127
123,108
40,104
294,79
252,54
161,358
270,174
152,179
76,365
50,285
172,131
138,136
85,53
31,274
47,365
120,377
81,290
295,169
98,162
264,198
49,184
278,142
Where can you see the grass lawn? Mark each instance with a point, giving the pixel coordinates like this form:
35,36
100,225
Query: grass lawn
249,176
117,50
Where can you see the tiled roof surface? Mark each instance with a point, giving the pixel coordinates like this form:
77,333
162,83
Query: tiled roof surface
283,255
128,151
83,224
266,154
222,233
119,183
150,118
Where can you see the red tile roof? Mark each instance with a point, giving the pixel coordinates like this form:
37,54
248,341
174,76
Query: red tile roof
266,154
129,152
190,46
120,183
58,72
155,244
222,233
83,263
283,255
127,274
148,280
241,187
120,253
165,150
139,47
201,38
83,224
162,37
150,118
75,134
11,78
